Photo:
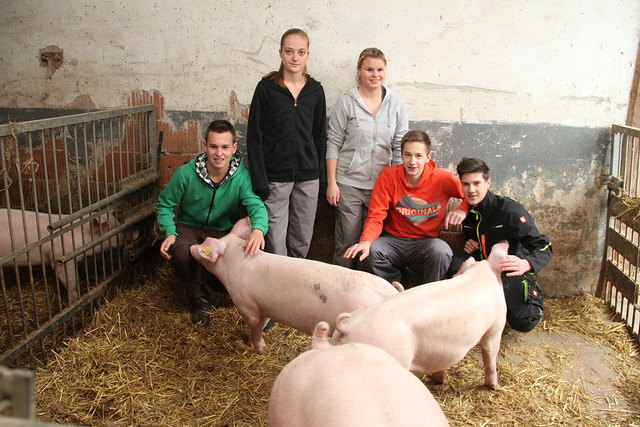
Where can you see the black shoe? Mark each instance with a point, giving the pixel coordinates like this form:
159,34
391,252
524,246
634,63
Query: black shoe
199,309
269,325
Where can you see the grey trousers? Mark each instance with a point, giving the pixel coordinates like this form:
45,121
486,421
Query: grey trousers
350,215
292,213
429,256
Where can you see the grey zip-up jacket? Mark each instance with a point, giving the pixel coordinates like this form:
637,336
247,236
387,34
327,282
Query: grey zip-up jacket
365,144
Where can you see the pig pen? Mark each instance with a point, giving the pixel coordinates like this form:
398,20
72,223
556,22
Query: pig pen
76,213
142,362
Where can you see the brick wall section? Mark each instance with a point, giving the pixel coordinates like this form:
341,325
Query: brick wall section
178,146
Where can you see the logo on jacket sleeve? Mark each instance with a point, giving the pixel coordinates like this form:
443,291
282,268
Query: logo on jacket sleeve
523,219
417,210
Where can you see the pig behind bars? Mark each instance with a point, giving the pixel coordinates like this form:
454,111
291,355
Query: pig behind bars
293,291
25,229
432,327
350,385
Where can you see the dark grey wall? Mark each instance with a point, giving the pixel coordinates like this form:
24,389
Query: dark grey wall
556,172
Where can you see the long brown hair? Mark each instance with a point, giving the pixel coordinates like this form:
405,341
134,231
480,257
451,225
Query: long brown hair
278,76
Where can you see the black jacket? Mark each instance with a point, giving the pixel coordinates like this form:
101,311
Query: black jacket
498,218
286,137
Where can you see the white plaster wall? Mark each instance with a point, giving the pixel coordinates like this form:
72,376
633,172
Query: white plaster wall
566,62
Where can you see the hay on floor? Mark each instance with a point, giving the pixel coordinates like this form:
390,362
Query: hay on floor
142,362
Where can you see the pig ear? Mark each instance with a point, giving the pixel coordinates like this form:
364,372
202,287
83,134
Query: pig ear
465,266
217,248
341,322
242,228
498,252
96,223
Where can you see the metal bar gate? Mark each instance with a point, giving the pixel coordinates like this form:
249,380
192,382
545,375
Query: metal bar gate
619,282
76,204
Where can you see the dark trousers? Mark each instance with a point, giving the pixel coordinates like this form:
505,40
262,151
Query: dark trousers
524,301
523,296
190,273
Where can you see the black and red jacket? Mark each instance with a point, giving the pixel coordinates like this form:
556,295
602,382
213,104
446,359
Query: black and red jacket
498,218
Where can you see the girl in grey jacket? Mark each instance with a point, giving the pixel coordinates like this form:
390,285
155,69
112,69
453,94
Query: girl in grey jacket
365,129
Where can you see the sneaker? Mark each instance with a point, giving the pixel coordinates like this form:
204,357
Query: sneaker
199,312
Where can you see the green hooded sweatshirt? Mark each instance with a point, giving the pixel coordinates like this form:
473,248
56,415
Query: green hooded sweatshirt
204,204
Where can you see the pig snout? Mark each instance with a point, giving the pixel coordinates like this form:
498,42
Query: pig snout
208,251
131,235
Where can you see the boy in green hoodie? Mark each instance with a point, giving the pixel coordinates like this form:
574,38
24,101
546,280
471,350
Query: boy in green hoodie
211,192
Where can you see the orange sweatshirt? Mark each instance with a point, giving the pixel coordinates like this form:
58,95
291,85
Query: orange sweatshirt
402,210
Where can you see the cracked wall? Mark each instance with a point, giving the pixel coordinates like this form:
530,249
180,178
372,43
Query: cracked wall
532,88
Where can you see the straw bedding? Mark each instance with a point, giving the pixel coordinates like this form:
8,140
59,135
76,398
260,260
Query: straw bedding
142,362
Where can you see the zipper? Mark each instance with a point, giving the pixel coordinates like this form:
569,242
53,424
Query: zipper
480,237
210,205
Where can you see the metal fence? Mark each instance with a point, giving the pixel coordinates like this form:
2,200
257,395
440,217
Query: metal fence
619,283
76,208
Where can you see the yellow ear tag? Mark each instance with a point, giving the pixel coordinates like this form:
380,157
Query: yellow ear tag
206,251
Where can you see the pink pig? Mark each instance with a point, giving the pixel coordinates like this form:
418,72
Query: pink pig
34,223
349,385
293,291
432,327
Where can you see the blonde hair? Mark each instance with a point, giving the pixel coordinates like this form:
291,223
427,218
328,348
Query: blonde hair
370,52
278,76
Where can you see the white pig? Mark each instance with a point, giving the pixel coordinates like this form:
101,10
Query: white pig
432,327
71,240
349,385
293,291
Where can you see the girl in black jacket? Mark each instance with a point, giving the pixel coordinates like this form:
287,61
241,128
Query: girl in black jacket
286,142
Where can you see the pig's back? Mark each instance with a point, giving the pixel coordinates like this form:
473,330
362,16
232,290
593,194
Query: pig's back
451,313
353,384
24,230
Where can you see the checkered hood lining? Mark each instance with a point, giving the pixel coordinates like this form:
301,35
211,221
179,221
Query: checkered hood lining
201,168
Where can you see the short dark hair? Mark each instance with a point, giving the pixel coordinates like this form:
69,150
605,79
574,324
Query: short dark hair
471,165
416,136
220,126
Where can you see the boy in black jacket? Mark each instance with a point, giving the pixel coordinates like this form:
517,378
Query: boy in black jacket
493,218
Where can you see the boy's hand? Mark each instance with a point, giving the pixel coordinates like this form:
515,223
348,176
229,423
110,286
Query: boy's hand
454,217
166,245
254,243
362,247
516,266
470,246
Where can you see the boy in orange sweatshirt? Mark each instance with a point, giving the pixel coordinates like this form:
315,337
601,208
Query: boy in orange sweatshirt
406,214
